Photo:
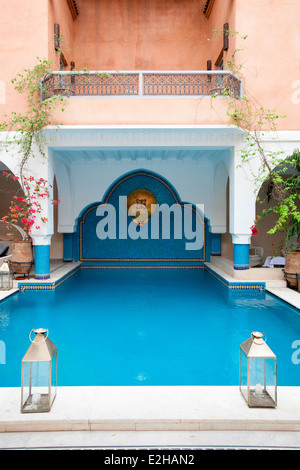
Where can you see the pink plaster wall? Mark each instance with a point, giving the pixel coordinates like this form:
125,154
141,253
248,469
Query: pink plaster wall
119,111
222,12
161,35
270,55
58,12
23,27
141,35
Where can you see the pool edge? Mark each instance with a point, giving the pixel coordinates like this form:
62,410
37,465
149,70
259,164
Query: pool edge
149,408
66,270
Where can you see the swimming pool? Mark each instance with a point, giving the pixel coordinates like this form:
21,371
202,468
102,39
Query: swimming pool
147,327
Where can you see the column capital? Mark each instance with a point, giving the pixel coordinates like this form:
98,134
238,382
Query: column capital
241,238
41,239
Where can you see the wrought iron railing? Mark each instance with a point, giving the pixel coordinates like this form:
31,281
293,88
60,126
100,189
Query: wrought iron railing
146,83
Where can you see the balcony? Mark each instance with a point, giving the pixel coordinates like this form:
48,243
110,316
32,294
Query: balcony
141,84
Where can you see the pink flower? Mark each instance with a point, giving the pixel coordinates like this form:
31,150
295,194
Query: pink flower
24,221
4,172
254,230
15,177
20,199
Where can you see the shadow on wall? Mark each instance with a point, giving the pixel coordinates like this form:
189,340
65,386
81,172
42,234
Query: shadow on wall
263,239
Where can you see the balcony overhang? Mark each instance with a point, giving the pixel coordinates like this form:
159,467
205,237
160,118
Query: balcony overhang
74,143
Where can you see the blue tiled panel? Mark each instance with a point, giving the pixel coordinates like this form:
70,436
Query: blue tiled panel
216,244
89,247
68,246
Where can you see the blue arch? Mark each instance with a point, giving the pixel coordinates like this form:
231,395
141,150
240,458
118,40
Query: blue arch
89,249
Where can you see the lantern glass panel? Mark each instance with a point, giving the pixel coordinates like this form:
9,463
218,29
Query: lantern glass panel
243,375
38,385
6,281
258,381
262,381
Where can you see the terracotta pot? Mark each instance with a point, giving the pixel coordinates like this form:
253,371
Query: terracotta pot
22,257
292,267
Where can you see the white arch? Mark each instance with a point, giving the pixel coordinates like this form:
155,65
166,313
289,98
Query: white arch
12,164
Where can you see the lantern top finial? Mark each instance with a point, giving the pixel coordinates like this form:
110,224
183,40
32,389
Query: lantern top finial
40,331
257,334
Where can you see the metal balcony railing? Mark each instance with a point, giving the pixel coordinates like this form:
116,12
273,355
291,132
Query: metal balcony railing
145,83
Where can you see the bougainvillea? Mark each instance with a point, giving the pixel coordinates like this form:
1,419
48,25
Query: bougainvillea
25,211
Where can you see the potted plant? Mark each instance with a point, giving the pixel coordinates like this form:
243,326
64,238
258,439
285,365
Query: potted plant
26,212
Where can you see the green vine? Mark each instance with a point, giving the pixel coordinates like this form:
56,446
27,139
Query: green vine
26,128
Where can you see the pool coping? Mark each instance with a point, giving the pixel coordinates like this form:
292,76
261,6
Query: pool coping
151,408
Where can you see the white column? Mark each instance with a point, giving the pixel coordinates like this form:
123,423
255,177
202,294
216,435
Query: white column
242,207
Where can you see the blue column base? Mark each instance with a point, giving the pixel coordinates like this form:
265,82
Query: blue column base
241,257
42,261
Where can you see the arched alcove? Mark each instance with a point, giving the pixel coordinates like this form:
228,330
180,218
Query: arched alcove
153,241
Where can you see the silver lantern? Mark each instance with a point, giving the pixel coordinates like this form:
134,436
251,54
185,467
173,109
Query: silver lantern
39,374
6,277
258,372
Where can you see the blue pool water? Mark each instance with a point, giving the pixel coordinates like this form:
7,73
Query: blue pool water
147,327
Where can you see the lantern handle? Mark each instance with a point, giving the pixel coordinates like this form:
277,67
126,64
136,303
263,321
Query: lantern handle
46,336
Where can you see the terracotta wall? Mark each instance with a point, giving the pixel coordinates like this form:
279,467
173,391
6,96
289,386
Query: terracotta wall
270,55
141,35
24,31
58,12
158,34
222,12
